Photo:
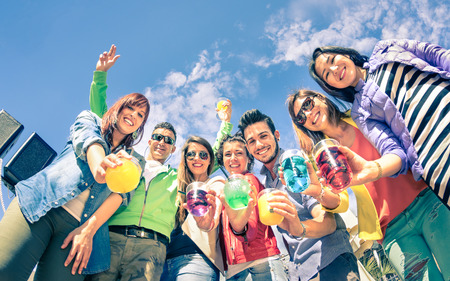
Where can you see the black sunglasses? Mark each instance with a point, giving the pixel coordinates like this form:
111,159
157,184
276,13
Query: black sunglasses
202,154
307,105
159,137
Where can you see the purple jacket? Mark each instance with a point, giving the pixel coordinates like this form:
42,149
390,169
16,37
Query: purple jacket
374,112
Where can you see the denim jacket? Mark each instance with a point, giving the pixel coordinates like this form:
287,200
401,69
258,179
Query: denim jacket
66,178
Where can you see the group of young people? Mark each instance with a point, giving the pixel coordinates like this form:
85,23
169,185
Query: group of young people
395,137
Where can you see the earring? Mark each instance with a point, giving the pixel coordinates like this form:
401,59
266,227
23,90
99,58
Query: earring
134,135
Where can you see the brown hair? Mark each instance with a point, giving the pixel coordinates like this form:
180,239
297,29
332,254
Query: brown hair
109,120
308,138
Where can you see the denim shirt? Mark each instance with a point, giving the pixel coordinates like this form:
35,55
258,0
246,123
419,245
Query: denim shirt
65,179
308,255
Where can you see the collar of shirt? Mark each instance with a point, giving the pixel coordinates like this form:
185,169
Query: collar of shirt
152,169
269,182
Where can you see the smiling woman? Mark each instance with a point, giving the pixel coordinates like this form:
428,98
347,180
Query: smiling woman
383,203
193,251
402,90
51,205
248,242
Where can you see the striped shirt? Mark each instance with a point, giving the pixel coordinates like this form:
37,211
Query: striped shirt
423,100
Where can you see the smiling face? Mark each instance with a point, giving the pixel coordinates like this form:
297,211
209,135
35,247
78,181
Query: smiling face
235,158
337,70
197,165
159,150
261,143
317,117
129,120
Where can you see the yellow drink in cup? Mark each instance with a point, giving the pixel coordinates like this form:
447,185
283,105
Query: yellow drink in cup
220,105
266,214
124,178
221,108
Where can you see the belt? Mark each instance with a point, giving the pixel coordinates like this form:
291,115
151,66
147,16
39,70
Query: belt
139,232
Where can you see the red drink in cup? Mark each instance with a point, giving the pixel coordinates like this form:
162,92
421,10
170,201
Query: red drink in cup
333,164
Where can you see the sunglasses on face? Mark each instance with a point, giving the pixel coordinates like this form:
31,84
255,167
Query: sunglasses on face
307,105
159,137
202,154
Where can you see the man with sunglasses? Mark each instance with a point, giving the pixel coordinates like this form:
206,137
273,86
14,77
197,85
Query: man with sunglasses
317,241
139,231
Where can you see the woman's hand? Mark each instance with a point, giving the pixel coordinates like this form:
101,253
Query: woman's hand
81,238
107,59
225,115
363,171
206,222
239,218
110,161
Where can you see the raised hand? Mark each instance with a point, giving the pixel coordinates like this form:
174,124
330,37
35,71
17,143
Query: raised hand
107,59
225,115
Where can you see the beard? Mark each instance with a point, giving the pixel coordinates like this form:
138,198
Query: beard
274,155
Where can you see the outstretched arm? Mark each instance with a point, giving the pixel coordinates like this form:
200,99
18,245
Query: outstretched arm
97,97
323,223
82,236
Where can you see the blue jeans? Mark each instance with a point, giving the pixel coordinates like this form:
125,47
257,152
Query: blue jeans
24,244
344,267
190,267
416,235
270,270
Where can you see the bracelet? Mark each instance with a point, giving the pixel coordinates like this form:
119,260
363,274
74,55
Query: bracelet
320,196
380,171
239,233
304,231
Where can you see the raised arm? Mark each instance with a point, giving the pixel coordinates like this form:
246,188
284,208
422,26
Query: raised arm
225,129
97,97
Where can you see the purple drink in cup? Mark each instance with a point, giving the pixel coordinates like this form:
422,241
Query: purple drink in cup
333,164
196,199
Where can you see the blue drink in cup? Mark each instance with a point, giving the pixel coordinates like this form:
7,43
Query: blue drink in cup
236,192
295,171
196,198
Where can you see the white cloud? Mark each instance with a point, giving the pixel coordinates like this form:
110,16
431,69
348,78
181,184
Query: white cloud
298,29
187,100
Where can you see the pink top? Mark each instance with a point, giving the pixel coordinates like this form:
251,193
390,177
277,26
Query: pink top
390,195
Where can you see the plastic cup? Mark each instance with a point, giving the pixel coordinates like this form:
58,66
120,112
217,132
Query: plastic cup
221,108
266,214
236,191
295,171
333,164
124,178
196,201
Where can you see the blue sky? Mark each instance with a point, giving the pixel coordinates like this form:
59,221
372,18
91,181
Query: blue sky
183,55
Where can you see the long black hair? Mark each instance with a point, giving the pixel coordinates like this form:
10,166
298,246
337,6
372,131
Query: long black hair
346,94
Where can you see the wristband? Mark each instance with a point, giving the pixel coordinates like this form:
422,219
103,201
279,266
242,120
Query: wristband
304,231
239,233
320,196
380,171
